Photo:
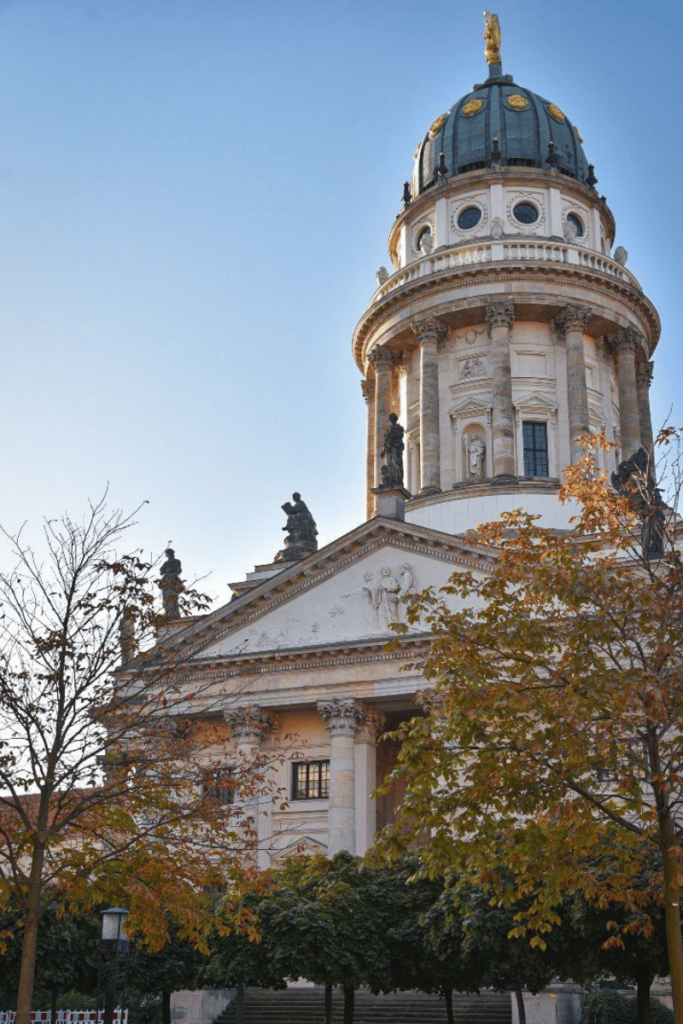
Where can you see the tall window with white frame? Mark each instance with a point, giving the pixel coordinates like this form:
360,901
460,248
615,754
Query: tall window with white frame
535,437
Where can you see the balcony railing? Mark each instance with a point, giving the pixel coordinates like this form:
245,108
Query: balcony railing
502,251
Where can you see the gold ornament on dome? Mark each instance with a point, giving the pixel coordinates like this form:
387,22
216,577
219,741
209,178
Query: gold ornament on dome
437,125
555,112
578,134
492,38
473,107
517,102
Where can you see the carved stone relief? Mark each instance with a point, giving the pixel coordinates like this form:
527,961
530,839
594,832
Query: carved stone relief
383,598
470,336
472,367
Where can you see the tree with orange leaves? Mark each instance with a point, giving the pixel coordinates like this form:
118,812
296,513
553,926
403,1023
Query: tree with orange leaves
550,756
106,793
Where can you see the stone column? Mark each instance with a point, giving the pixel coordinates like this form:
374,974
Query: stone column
342,717
249,726
643,381
366,779
368,389
572,323
429,331
627,344
383,361
500,318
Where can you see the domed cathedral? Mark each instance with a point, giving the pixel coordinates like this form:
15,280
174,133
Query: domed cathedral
508,327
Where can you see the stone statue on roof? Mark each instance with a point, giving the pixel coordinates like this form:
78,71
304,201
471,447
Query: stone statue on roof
300,529
170,584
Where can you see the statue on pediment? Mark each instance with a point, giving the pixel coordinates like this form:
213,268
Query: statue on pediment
301,531
170,584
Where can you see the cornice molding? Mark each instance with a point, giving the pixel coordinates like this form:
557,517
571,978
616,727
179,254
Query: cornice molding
581,278
229,666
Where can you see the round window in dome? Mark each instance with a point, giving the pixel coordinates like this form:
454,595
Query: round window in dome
577,223
525,213
469,218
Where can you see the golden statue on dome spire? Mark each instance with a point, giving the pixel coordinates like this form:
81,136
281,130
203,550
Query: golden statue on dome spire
492,38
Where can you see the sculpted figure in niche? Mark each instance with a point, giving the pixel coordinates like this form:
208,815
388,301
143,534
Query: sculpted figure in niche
392,454
170,584
425,243
475,450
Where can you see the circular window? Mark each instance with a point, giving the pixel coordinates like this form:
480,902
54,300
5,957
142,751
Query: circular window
469,218
525,213
576,222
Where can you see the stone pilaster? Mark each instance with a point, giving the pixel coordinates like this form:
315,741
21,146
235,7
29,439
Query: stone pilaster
366,778
368,389
343,717
429,331
500,318
627,344
643,381
249,726
571,324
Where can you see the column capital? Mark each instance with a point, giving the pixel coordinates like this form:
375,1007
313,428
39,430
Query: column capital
644,373
605,348
249,724
500,314
343,716
572,318
429,328
368,389
628,340
372,725
384,358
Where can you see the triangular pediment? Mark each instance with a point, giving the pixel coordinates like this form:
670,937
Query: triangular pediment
349,591
469,407
535,400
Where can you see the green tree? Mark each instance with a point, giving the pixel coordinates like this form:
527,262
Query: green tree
176,966
66,960
550,756
320,921
102,795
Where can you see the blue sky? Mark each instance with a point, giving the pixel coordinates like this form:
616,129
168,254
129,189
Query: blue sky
194,198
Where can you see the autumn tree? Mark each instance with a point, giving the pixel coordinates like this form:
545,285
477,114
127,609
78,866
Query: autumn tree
550,755
103,795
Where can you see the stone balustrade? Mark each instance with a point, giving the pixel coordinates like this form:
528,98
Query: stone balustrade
458,256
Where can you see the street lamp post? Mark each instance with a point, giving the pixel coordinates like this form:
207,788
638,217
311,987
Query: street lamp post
112,943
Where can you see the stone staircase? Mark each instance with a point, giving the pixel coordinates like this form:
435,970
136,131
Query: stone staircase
307,1006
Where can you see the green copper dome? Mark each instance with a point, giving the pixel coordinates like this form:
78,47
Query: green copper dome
499,122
